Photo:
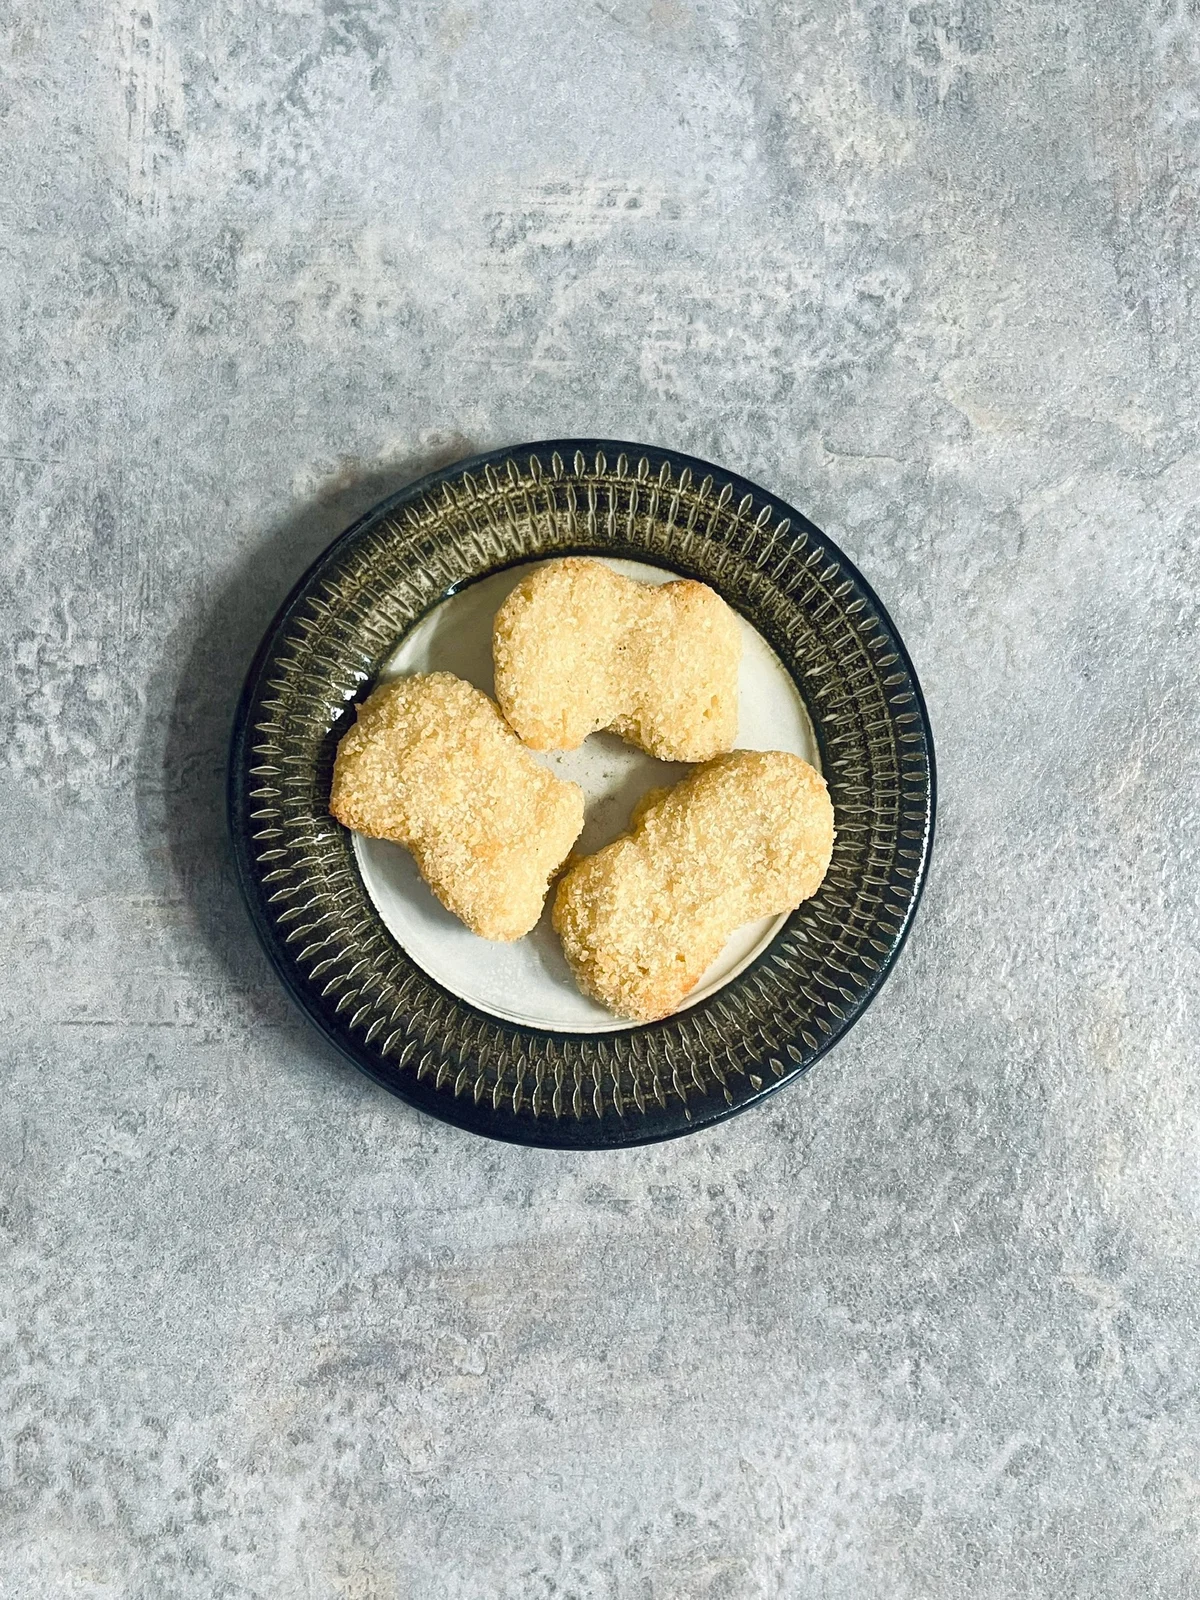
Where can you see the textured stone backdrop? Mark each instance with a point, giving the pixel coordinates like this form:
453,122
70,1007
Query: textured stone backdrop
926,1326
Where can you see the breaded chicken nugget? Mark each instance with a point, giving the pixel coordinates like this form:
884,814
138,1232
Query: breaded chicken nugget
578,647
431,764
748,835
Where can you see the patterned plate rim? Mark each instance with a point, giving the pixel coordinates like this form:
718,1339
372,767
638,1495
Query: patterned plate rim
532,1113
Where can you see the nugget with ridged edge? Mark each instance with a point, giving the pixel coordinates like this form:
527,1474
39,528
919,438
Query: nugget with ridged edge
431,764
747,835
578,647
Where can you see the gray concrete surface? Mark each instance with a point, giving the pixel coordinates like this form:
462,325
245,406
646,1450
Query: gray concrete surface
924,1328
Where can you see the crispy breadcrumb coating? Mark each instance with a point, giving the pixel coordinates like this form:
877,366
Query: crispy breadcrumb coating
747,835
578,647
431,764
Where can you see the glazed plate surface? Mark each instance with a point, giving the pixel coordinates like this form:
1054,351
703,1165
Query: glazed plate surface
497,1038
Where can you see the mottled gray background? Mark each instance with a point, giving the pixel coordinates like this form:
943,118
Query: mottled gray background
924,1327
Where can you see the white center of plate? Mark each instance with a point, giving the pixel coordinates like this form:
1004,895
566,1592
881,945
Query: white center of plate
529,981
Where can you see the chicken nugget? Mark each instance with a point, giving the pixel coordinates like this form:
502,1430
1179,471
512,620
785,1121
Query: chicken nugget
747,835
578,647
431,764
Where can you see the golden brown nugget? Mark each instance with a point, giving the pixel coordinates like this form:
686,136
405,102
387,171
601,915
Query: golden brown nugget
745,836
578,647
431,764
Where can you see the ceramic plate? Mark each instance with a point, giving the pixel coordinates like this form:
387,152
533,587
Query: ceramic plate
497,1038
